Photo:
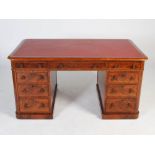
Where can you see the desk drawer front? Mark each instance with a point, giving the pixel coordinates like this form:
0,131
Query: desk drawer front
126,65
123,77
39,65
122,90
78,65
34,105
32,77
33,90
121,105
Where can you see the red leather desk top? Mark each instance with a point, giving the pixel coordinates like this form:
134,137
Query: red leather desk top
77,48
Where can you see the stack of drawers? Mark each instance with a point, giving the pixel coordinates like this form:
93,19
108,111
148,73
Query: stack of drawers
33,92
122,92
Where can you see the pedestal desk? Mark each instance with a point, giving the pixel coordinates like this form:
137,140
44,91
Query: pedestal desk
118,62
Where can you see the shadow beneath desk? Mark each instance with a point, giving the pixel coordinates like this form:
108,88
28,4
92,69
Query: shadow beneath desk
77,89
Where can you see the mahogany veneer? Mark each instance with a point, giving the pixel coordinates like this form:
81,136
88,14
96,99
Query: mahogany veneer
118,62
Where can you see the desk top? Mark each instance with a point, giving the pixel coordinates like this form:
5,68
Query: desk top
106,49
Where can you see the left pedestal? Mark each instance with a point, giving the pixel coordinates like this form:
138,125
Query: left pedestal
35,90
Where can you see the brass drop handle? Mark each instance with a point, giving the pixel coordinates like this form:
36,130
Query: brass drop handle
42,105
130,90
26,105
123,75
41,77
23,77
128,105
20,65
111,105
114,78
42,90
24,90
40,65
113,90
95,66
32,86
115,66
131,78
133,66
59,66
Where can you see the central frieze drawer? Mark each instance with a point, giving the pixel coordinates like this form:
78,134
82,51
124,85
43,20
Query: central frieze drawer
123,77
122,90
34,105
32,77
121,105
33,90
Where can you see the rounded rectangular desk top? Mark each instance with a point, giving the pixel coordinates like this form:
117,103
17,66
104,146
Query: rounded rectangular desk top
52,49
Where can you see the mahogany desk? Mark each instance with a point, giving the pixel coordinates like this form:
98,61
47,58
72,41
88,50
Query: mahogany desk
118,62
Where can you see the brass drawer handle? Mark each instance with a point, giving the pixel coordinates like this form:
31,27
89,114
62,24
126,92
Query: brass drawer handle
41,77
42,90
114,78
42,105
113,91
59,66
26,105
131,78
131,90
123,75
133,66
32,86
24,90
40,65
111,105
128,105
20,65
95,66
23,77
115,66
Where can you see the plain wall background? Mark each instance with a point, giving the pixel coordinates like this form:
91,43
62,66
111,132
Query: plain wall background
75,111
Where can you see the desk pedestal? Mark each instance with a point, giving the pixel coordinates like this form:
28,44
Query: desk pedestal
118,86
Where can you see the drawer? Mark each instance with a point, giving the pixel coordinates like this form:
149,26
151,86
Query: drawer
77,65
125,65
30,65
32,77
34,105
123,77
32,90
122,90
121,105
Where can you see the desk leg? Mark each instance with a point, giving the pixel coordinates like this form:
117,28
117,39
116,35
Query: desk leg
119,93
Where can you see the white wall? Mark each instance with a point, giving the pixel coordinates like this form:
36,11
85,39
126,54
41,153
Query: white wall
142,32
77,107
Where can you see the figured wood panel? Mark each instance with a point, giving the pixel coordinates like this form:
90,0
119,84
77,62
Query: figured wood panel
123,77
121,105
122,90
34,105
32,76
33,90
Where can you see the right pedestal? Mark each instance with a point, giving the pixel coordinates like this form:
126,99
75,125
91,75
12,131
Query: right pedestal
119,93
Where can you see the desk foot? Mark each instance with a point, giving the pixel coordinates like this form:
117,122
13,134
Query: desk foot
119,116
34,116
